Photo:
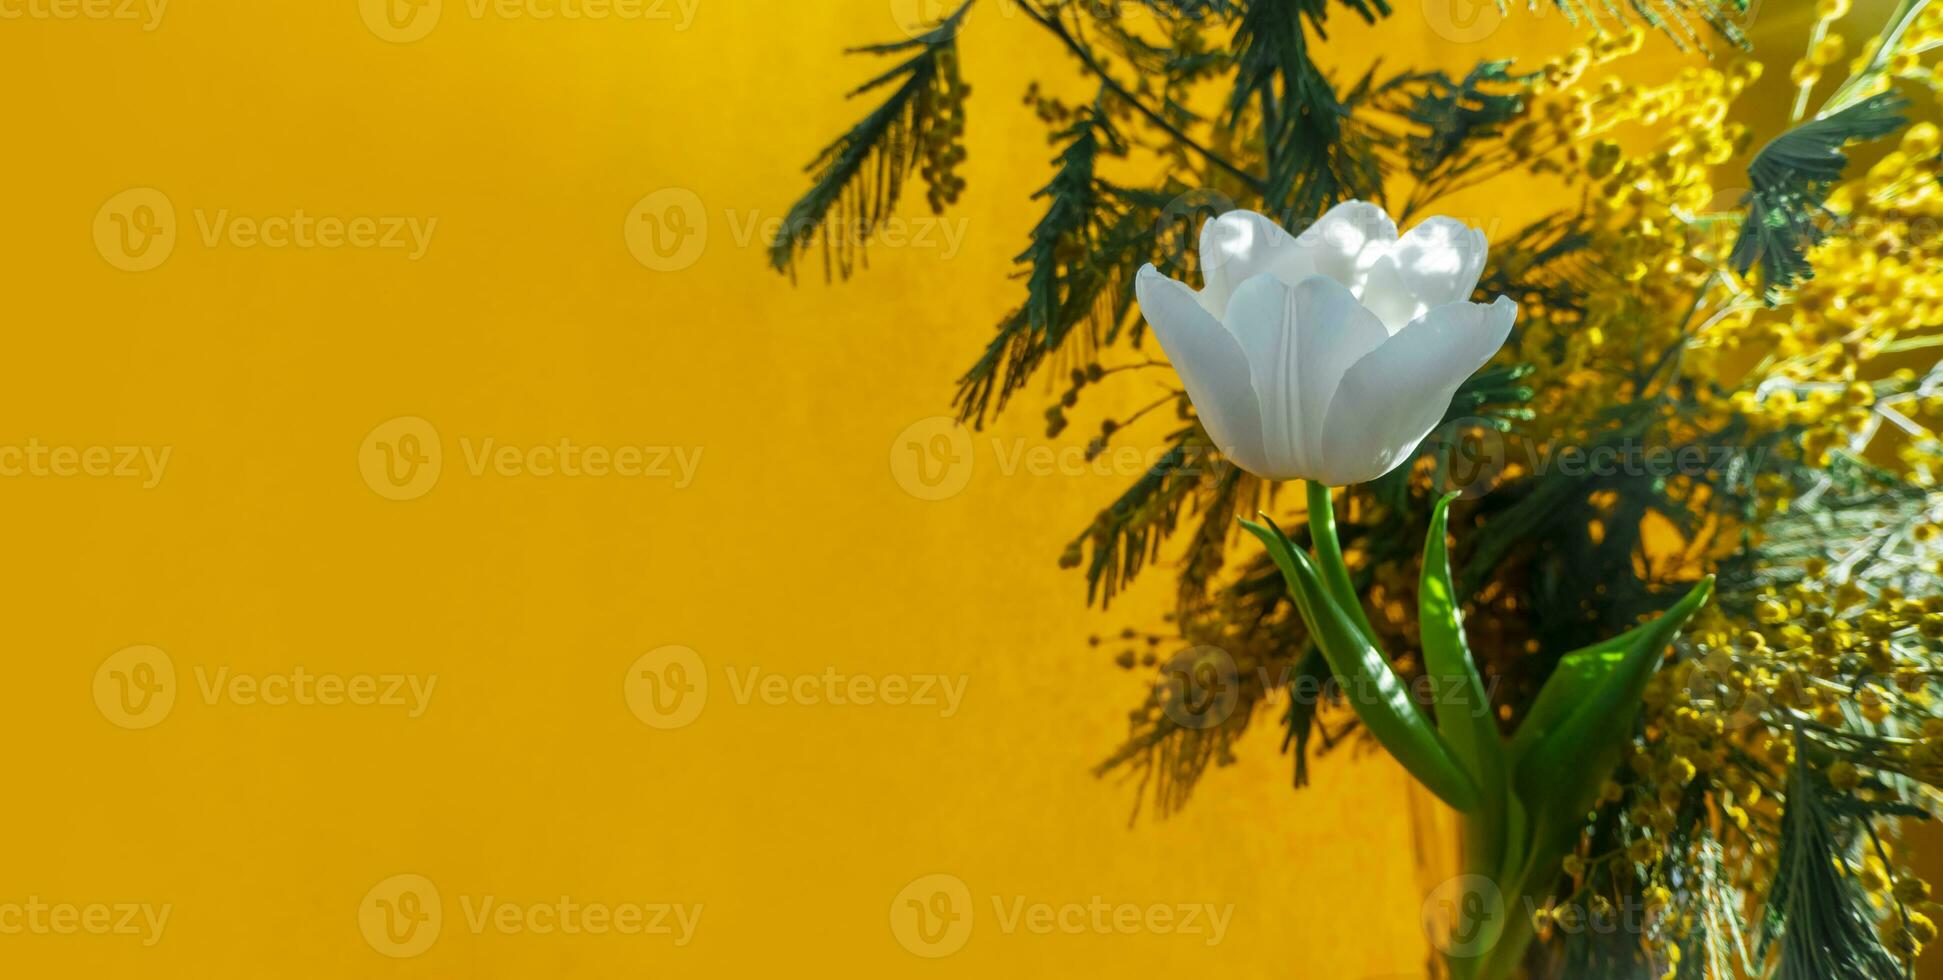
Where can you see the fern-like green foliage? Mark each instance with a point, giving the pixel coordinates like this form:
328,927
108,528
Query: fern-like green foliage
1454,115
1301,118
1790,180
1078,267
1819,916
860,175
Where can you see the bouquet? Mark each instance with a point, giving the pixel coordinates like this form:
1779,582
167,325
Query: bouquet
1618,529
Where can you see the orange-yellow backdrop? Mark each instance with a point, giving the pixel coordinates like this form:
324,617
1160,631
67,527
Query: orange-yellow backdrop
170,289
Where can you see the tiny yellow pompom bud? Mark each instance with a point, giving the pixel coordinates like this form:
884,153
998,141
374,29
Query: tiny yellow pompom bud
1827,51
1922,140
1872,880
1657,898
1911,890
1843,776
1680,770
1921,928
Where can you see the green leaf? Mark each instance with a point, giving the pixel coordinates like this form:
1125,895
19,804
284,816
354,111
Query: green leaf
1463,706
1557,766
1583,673
1577,675
1369,684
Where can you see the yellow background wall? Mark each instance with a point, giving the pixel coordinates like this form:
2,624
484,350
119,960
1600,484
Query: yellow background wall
269,543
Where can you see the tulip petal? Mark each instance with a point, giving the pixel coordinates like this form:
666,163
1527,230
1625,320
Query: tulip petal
1237,247
1211,365
1391,399
1300,340
1441,260
1437,262
1343,242
1386,296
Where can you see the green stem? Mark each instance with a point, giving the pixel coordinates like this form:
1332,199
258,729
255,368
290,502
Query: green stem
1518,934
1369,683
1892,36
1329,555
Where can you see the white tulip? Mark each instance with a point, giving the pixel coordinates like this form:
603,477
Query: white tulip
1330,355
